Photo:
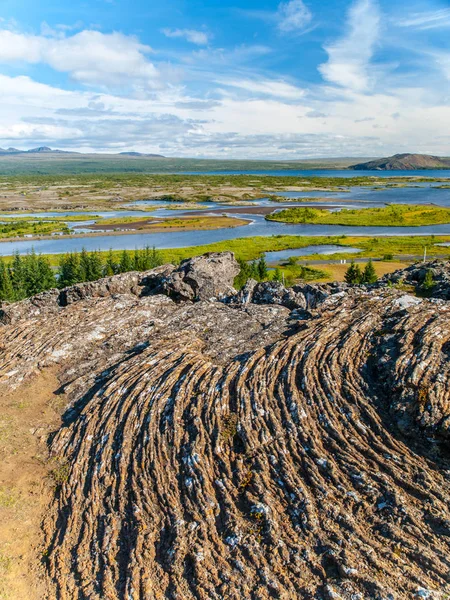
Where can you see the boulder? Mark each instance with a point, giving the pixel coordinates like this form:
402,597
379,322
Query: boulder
202,278
270,292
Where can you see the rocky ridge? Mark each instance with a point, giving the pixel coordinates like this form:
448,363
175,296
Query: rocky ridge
267,443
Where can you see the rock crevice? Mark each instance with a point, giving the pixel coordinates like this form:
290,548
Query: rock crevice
280,444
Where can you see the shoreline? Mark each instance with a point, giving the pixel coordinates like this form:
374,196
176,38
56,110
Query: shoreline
114,233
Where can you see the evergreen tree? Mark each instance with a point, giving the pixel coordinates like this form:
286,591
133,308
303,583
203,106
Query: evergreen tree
69,270
47,279
155,258
263,272
111,267
17,272
353,274
244,274
138,260
369,275
30,274
126,264
428,282
6,287
85,267
95,266
39,275
253,270
278,275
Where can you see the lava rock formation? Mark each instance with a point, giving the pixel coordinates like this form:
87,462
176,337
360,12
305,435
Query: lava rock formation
272,444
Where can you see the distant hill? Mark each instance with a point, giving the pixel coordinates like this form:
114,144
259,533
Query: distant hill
141,154
9,151
47,150
404,162
39,150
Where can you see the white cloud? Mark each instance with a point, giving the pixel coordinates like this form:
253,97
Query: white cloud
279,89
434,19
319,123
293,16
442,60
90,57
200,38
228,106
349,58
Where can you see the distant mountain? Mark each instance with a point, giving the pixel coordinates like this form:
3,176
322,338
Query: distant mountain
9,151
41,149
404,162
141,154
47,150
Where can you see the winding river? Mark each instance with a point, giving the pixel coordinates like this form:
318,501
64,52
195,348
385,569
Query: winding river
421,193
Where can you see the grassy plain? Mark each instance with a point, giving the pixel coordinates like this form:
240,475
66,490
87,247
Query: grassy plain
42,229
151,224
337,272
115,191
251,248
70,163
394,215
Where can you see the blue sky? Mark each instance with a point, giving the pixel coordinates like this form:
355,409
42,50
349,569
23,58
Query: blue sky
267,79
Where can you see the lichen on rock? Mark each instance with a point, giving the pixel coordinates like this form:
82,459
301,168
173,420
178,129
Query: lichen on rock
282,443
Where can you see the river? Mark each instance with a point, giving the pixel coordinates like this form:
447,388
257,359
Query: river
357,197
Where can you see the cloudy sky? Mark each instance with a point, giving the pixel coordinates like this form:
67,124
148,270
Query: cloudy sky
227,79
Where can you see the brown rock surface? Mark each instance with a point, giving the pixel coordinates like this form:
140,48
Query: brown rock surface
229,451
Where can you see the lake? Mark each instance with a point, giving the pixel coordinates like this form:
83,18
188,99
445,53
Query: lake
326,249
345,174
356,197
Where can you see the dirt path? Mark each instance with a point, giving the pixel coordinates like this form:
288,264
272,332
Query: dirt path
26,418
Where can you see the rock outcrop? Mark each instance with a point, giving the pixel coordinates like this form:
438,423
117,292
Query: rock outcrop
415,276
286,444
202,278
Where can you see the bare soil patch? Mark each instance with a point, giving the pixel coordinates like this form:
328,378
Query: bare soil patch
27,416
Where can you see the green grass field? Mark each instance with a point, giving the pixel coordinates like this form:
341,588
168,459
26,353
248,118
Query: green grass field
23,228
394,215
109,163
252,248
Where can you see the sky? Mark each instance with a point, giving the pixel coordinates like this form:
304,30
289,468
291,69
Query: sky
227,79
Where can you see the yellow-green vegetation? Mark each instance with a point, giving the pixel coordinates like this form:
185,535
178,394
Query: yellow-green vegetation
98,191
293,272
393,215
251,248
187,223
21,228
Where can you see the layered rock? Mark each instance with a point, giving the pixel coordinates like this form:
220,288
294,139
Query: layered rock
202,278
246,449
415,276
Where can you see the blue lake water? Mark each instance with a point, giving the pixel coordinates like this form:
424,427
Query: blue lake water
180,239
273,257
327,173
424,193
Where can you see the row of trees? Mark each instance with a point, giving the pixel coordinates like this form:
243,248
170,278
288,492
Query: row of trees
77,267
31,274
354,275
25,276
256,269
